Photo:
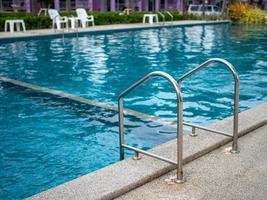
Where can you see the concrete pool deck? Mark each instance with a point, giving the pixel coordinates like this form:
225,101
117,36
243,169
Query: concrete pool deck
117,179
51,32
217,175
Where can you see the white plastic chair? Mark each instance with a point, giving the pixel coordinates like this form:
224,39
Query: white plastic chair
84,18
57,20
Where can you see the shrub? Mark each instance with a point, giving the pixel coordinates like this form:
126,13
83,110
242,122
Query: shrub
41,22
246,13
31,21
254,16
237,11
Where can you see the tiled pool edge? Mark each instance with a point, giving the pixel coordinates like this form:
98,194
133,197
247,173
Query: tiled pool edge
106,28
121,177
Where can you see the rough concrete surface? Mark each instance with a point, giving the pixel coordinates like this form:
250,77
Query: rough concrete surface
121,177
47,32
217,175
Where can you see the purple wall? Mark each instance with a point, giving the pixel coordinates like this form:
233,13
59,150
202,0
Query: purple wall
169,4
157,5
112,5
139,4
82,4
180,5
56,5
26,4
97,5
144,5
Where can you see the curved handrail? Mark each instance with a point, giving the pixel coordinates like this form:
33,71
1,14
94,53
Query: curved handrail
236,97
172,18
151,75
163,17
175,85
207,63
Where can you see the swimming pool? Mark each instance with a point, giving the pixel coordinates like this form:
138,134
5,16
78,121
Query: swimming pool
54,141
46,141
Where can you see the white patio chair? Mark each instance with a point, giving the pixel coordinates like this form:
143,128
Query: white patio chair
57,20
84,18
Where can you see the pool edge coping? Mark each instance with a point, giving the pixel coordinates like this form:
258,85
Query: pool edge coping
114,183
40,33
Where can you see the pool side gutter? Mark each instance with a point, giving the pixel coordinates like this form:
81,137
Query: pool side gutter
119,178
6,36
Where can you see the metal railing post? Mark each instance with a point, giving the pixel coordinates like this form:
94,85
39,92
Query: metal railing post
172,18
163,17
180,177
179,162
235,124
177,86
121,127
236,94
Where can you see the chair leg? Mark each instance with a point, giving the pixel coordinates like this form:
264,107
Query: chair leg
58,26
11,26
23,27
17,26
5,26
54,26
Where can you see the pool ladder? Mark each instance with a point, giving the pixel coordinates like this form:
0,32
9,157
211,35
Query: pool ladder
176,84
164,18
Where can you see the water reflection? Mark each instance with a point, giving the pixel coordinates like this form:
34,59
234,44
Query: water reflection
100,66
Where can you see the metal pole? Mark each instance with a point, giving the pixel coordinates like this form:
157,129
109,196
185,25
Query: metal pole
235,125
137,155
193,134
180,177
121,127
236,95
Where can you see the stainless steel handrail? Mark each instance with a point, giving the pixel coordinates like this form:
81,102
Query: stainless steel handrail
236,96
163,17
175,85
170,15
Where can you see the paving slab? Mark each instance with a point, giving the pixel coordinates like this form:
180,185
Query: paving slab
217,175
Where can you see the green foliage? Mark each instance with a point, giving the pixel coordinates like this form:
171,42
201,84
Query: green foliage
254,16
246,14
31,21
106,18
237,10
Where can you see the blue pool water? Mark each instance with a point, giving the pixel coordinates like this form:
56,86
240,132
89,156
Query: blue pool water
34,129
46,141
